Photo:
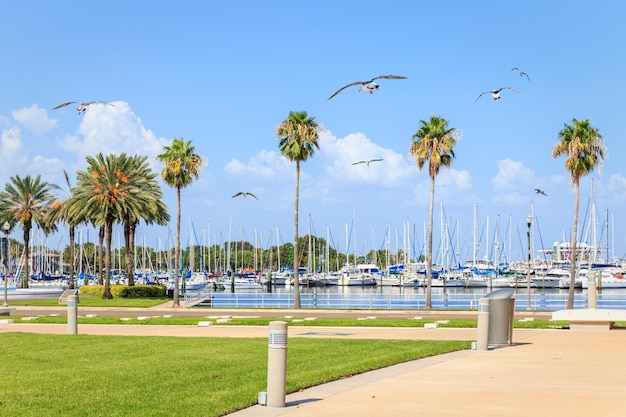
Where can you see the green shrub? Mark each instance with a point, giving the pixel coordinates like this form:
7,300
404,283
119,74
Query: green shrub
141,291
124,291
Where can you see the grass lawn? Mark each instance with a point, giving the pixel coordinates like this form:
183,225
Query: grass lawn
83,375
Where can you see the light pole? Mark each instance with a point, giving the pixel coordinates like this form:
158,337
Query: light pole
5,261
529,222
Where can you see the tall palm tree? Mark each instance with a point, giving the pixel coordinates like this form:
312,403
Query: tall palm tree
584,148
60,214
27,200
105,191
298,135
181,166
147,205
434,143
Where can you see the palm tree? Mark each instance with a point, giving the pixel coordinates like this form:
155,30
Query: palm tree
105,191
61,214
434,142
147,205
181,166
584,147
27,200
298,135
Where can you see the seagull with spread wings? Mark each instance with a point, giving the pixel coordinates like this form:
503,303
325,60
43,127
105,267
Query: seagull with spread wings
538,191
521,73
244,194
495,93
366,162
368,85
82,107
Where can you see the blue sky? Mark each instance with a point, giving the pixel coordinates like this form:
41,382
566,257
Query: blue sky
224,74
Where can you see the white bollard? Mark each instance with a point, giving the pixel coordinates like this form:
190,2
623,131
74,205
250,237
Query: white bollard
591,290
72,315
277,364
482,339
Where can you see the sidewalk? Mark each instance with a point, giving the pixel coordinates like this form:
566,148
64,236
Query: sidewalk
544,373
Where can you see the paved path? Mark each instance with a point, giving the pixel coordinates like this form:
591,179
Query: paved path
544,373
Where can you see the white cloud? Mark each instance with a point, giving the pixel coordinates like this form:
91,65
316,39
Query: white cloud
617,186
512,176
340,154
267,165
34,119
116,130
13,153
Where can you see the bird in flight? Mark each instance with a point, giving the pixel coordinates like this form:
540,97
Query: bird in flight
82,107
366,162
244,194
368,85
521,73
538,191
495,93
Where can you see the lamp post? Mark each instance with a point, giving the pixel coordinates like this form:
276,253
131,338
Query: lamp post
5,261
529,222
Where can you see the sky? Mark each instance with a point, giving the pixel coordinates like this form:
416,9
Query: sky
224,74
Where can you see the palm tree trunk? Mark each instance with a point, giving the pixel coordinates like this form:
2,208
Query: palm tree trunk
573,250
26,256
127,253
176,300
98,265
296,255
106,295
429,255
72,256
131,256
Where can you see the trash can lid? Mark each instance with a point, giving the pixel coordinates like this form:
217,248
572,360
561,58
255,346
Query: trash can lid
501,294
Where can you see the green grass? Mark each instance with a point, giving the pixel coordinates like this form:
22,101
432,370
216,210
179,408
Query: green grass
83,375
264,321
87,301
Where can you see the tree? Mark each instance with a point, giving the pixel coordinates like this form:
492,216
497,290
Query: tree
61,214
434,143
27,200
106,191
584,148
298,138
146,205
181,166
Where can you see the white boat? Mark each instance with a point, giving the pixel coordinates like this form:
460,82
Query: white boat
412,281
360,275
546,281
239,283
389,281
500,281
608,278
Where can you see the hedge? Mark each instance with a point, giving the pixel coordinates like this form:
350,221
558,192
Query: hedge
124,291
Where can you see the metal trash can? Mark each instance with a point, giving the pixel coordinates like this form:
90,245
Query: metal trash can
501,312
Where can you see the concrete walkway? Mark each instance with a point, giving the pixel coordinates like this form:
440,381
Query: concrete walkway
544,373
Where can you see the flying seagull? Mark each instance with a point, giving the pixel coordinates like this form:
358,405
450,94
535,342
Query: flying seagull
244,194
521,73
366,162
538,191
495,93
82,107
368,85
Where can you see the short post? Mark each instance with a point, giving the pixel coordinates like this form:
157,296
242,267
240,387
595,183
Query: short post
591,290
277,364
72,315
482,339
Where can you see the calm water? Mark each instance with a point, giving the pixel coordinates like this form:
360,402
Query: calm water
350,297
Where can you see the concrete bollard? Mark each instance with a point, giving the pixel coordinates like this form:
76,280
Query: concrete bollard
72,315
482,339
592,302
277,364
